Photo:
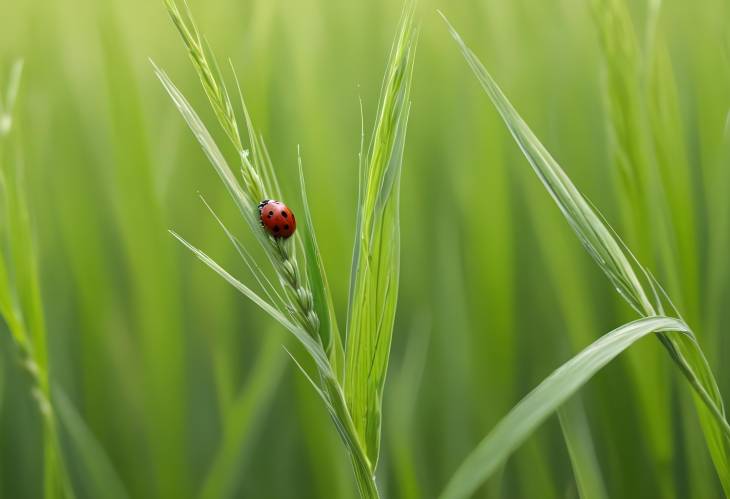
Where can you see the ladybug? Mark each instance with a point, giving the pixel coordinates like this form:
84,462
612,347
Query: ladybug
277,218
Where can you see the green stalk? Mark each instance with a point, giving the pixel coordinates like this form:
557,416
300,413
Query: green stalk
20,296
302,302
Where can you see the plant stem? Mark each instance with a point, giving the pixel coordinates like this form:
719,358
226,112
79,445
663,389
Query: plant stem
56,481
365,483
361,466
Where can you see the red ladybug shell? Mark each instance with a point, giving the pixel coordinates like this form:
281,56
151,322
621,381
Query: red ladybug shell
277,218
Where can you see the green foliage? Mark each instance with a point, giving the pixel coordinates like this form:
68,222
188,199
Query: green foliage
179,388
545,399
98,474
619,266
578,439
304,305
376,257
20,296
243,419
22,310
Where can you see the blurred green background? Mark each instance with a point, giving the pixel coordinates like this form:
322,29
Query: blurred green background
173,371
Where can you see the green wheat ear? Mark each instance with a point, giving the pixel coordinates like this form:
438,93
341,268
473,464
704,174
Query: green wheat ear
349,378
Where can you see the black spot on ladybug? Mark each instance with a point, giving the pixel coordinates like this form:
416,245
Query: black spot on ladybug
286,227
276,228
271,213
284,214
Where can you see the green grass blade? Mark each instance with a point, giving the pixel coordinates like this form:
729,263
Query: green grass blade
376,262
207,73
7,102
646,143
403,393
577,435
545,399
2,386
617,263
243,419
595,236
8,308
25,296
258,273
20,299
329,331
99,477
677,177
244,203
717,286
307,341
656,193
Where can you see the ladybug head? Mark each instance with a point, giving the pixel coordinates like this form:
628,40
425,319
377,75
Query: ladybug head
262,204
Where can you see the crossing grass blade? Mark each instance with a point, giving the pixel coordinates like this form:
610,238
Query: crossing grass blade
98,476
243,419
307,341
717,254
577,435
645,222
21,305
2,386
404,391
546,398
619,265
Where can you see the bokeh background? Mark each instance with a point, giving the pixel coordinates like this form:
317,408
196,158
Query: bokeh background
159,355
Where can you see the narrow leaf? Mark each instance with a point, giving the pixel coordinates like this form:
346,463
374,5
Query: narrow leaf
243,419
577,435
549,395
98,475
376,259
314,348
245,205
322,297
617,262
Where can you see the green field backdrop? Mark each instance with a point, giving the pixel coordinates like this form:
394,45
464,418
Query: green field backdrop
185,384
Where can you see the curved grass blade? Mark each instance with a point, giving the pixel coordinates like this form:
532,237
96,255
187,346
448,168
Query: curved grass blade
618,263
99,476
545,399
